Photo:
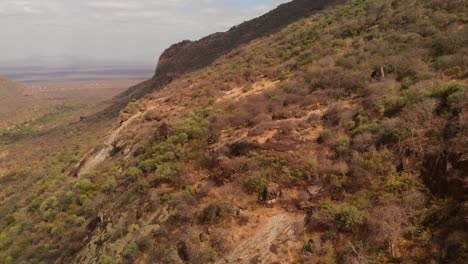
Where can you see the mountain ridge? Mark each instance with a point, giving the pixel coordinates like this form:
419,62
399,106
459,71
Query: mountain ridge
188,56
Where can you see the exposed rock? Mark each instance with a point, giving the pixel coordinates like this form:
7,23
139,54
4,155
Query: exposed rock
278,232
90,162
444,173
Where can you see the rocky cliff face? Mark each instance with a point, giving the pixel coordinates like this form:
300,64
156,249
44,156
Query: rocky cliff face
188,56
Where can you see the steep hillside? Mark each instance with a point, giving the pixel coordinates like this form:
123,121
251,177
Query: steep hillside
340,138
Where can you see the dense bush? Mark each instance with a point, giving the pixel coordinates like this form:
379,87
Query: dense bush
131,251
340,216
256,183
342,146
336,78
215,212
349,217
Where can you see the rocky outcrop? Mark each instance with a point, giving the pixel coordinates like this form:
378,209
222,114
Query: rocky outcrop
445,173
269,243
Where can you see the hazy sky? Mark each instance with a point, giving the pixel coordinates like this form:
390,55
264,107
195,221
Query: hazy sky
120,30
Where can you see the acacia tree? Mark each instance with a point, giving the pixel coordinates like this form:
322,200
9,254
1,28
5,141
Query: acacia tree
387,224
419,118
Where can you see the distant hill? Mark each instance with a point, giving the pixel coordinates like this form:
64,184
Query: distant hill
14,98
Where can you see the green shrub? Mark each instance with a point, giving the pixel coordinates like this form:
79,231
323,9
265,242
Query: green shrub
283,76
270,161
79,220
194,128
132,108
338,181
450,94
34,205
135,172
67,200
444,91
211,101
109,185
408,97
168,171
9,220
87,206
348,217
105,259
298,174
9,260
5,241
148,165
324,135
131,251
365,128
255,183
455,71
50,203
342,148
329,256
340,216
85,186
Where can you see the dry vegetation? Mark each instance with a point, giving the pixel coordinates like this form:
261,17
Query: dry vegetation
302,122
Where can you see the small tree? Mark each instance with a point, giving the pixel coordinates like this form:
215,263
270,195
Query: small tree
388,224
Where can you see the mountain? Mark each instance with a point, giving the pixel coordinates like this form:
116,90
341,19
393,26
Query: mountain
188,56
338,137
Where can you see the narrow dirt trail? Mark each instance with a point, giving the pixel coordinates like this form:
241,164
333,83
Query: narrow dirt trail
275,234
